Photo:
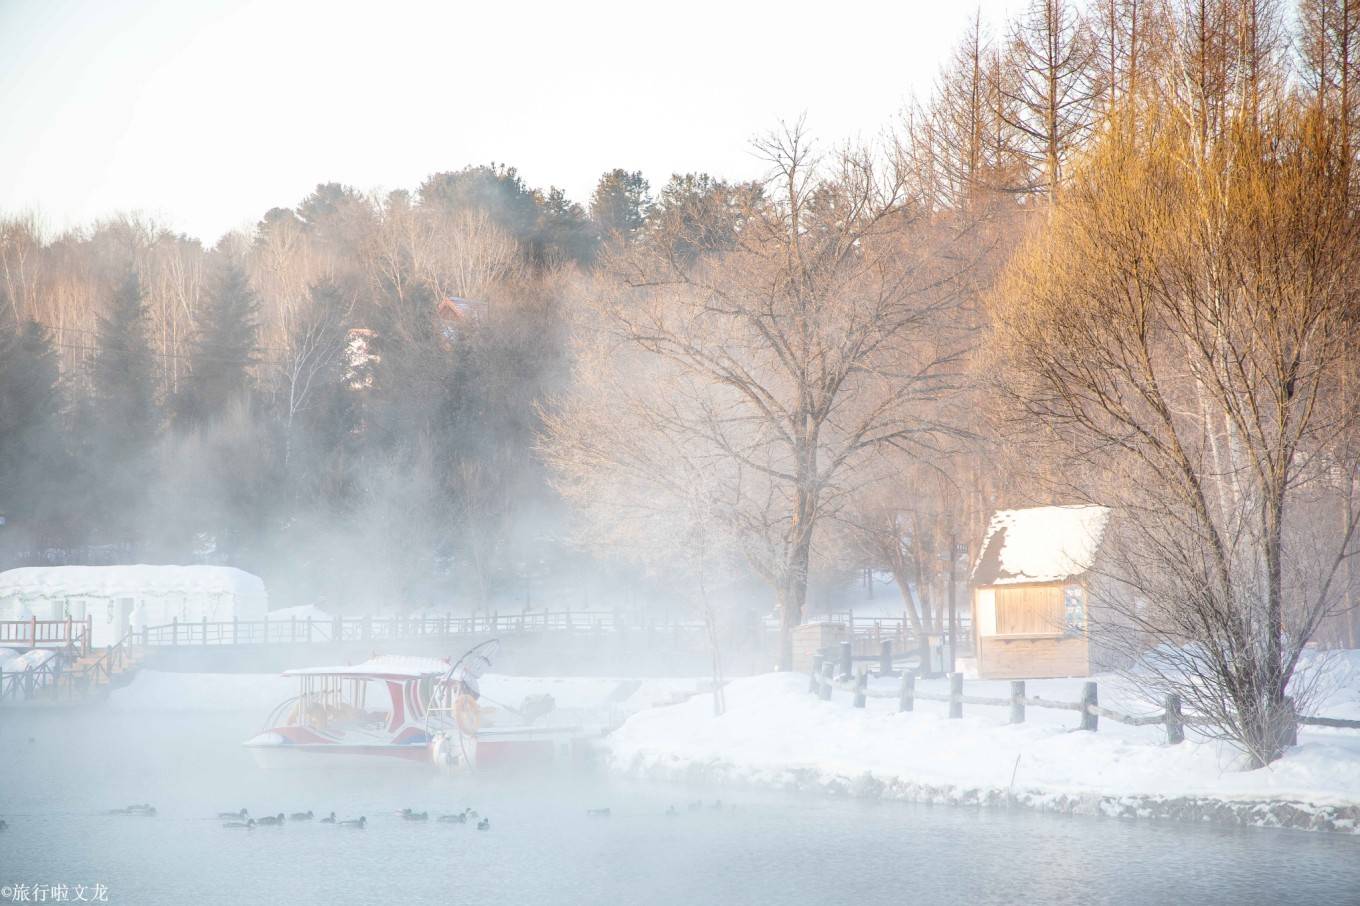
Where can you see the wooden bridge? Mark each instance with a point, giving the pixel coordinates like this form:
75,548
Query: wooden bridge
80,671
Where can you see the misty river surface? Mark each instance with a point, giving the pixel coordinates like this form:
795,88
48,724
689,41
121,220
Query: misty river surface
542,848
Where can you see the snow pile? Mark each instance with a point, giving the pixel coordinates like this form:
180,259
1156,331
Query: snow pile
1040,544
11,661
775,733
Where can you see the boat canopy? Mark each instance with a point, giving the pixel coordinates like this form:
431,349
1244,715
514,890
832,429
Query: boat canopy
394,667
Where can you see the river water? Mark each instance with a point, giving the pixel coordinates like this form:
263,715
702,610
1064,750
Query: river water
61,772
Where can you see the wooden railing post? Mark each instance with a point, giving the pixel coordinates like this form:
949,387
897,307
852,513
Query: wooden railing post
205,629
885,657
265,628
89,632
309,629
1175,723
816,670
33,631
174,630
367,627
906,693
1017,701
235,629
1090,720
861,687
847,658
292,630
955,695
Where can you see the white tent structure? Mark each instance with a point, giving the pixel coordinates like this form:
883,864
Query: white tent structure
121,598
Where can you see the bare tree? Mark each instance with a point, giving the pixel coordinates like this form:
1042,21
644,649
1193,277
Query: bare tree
791,358
1178,332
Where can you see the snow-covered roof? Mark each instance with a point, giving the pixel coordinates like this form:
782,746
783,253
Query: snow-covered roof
390,666
1040,544
128,581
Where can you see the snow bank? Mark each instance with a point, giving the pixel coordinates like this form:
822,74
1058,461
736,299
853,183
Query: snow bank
11,661
775,733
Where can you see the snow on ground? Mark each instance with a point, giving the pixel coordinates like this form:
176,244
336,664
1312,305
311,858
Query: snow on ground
776,733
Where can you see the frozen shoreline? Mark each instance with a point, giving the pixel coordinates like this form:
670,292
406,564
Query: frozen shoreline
775,734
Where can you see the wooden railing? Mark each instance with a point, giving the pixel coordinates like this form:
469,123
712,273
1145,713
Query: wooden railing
1171,716
35,633
57,680
378,629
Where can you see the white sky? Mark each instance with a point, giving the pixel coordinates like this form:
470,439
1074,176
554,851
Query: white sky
204,115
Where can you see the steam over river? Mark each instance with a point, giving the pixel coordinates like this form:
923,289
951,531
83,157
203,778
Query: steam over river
542,848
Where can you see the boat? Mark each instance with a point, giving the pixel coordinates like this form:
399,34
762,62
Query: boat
373,710
415,710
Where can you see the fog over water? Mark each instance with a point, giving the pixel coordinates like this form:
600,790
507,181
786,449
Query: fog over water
542,847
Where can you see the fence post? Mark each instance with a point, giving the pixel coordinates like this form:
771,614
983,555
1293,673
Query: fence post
235,629
1175,724
309,629
955,695
292,629
204,624
827,668
847,658
33,630
816,669
368,627
1017,701
174,630
885,657
1089,699
861,687
265,624
89,632
906,693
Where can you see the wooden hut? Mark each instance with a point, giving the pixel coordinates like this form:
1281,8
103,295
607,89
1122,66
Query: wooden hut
1031,589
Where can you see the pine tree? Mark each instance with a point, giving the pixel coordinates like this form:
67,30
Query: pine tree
32,453
224,349
620,203
121,416
124,376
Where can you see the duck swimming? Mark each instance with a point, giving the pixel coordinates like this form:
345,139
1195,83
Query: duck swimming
361,822
145,811
329,819
416,816
456,818
248,824
272,820
242,814
3,825
301,816
484,824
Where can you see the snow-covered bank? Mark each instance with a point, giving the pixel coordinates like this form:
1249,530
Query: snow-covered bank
775,734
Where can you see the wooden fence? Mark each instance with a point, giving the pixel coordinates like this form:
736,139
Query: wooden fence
824,678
